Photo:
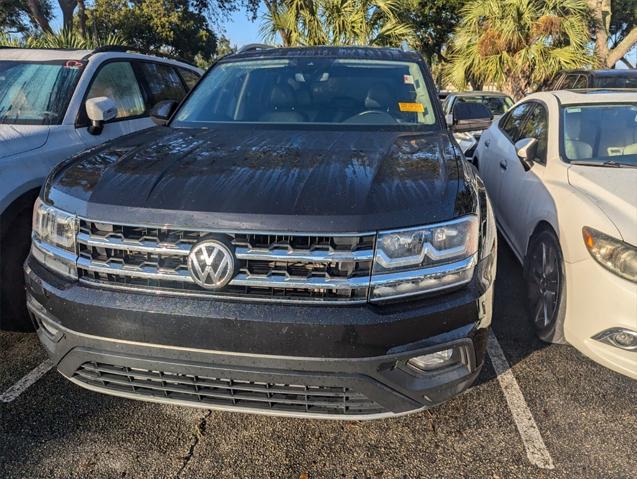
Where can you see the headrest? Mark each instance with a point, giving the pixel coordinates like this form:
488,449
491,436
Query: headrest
378,97
282,97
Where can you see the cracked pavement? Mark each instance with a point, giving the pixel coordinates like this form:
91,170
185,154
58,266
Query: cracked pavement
587,416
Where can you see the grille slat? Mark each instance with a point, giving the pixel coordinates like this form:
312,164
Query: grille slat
227,391
270,267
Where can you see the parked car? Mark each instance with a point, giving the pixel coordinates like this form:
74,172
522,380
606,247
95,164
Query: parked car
605,79
497,103
47,107
302,237
561,169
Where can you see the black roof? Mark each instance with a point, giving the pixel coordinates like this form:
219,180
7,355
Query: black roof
605,73
369,53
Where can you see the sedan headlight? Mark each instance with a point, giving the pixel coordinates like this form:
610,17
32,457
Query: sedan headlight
424,259
54,233
613,254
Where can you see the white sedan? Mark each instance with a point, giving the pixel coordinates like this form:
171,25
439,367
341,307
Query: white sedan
561,170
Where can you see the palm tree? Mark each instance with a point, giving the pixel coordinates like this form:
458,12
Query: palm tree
517,44
62,39
337,22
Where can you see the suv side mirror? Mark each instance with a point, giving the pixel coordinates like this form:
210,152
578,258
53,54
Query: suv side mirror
100,110
162,111
470,117
526,150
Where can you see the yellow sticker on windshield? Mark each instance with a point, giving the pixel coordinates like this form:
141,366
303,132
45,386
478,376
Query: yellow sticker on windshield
412,107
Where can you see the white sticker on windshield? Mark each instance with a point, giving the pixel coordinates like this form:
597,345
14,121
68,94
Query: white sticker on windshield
408,79
573,110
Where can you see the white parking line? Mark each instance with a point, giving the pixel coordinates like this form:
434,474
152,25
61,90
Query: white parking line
26,382
536,450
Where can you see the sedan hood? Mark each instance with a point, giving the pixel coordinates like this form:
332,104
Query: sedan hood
265,179
614,190
16,139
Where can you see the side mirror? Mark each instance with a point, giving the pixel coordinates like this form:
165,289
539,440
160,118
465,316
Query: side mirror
100,110
526,150
470,117
162,111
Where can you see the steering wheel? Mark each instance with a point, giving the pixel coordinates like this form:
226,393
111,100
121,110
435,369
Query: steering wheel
371,116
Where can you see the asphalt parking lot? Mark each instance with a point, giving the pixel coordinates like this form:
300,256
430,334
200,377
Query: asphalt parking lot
553,413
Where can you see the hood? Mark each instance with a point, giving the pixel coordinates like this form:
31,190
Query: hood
16,139
264,179
614,190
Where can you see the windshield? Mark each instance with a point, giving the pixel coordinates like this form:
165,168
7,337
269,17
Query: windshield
36,93
497,105
311,91
600,133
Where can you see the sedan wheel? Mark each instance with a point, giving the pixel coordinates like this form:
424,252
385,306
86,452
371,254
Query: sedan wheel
545,283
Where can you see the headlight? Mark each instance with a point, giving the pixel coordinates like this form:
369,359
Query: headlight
428,258
615,255
54,233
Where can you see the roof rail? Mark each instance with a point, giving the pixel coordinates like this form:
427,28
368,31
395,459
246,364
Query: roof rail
126,48
254,46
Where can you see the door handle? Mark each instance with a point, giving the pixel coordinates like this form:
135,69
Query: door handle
503,164
487,143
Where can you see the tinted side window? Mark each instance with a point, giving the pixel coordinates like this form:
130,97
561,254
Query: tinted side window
163,82
117,81
514,120
569,82
580,82
191,78
536,127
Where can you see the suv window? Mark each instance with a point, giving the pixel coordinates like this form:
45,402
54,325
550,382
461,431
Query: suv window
536,126
513,121
117,81
163,82
580,82
190,78
572,81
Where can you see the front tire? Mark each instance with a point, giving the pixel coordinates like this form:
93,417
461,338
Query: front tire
546,286
15,242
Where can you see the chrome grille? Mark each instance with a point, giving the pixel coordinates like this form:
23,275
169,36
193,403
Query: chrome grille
213,391
270,266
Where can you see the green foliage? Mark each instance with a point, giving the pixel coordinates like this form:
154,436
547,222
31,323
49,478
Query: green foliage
64,39
338,22
169,26
433,22
16,17
517,44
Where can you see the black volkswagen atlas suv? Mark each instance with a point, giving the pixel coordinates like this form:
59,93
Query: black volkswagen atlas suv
300,236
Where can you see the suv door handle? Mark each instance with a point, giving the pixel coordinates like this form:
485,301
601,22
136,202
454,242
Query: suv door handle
503,164
487,143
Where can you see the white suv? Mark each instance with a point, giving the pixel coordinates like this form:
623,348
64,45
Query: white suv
46,99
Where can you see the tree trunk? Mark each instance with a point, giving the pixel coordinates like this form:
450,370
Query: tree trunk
617,53
67,7
82,17
601,12
35,9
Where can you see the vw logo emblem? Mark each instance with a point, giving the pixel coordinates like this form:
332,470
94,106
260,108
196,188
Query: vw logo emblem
211,264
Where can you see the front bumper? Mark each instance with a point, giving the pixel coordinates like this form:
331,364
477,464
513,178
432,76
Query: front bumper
345,362
598,300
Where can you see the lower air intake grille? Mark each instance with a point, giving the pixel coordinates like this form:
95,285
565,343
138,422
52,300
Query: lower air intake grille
290,398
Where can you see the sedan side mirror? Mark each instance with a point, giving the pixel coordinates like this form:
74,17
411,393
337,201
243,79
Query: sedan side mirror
470,117
526,150
162,111
100,110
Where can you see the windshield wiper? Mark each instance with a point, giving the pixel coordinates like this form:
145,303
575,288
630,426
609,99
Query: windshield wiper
609,163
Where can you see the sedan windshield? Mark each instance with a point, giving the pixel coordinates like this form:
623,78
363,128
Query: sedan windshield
36,93
497,105
311,91
600,133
